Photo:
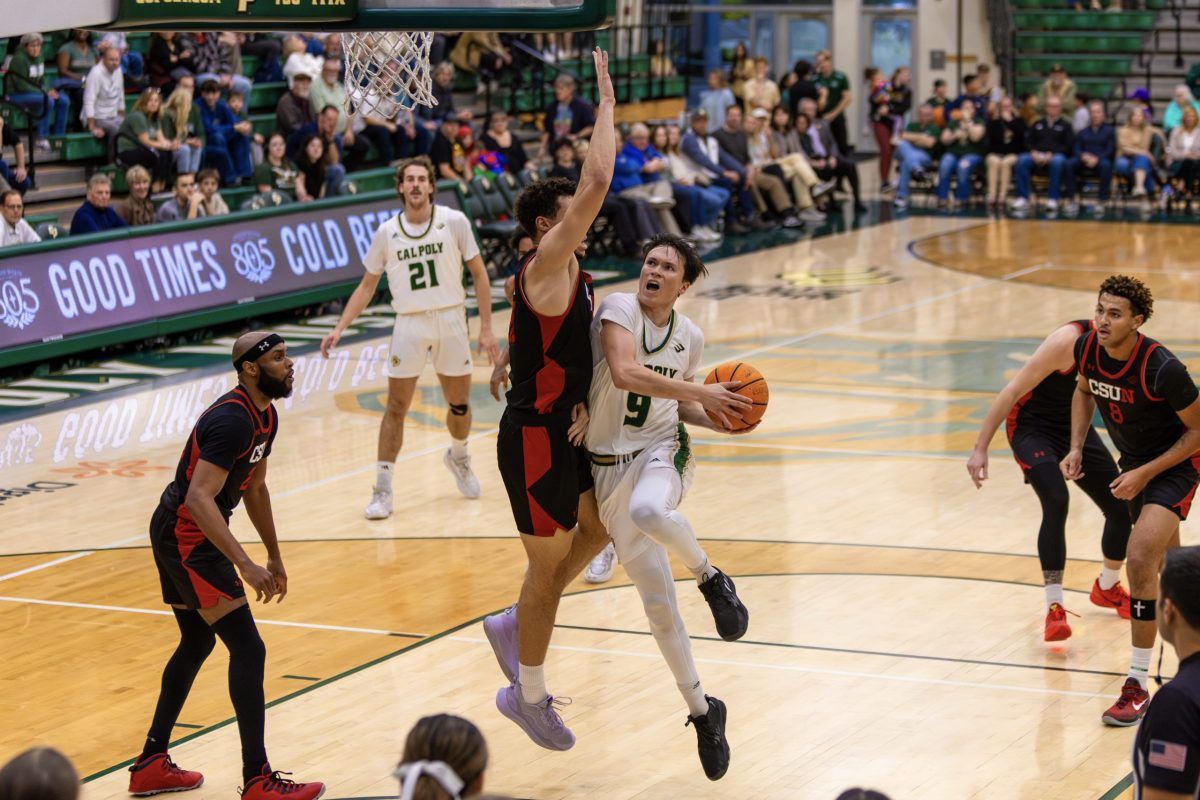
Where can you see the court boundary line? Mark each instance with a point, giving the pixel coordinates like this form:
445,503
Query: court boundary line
1118,788
36,567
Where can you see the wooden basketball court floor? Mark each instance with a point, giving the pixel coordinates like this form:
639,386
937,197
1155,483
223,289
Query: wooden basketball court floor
895,636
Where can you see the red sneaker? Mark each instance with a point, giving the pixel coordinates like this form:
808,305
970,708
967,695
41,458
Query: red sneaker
1057,628
272,786
158,774
1130,706
1116,597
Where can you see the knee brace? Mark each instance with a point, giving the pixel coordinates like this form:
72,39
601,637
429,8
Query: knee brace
459,410
1142,609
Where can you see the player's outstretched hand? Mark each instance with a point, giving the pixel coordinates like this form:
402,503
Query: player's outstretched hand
329,342
722,399
487,344
275,567
604,87
260,580
579,424
1072,465
1129,485
499,376
977,467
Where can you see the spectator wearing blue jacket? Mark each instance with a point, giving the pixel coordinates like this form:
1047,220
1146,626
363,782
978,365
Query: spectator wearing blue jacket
654,168
95,215
724,170
635,176
1095,151
227,139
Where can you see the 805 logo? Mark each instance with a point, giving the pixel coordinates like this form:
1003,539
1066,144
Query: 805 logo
19,304
252,257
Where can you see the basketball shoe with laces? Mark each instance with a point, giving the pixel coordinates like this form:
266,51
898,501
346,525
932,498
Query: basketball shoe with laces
1114,597
601,567
380,506
460,468
731,616
1130,706
157,774
540,721
1057,627
271,785
710,739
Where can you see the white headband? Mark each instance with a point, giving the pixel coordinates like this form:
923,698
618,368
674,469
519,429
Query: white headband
408,775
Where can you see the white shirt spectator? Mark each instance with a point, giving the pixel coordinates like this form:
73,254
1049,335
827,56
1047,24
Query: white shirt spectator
103,93
683,167
21,233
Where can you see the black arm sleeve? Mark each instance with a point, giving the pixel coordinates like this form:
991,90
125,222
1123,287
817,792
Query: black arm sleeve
224,434
1168,743
1175,384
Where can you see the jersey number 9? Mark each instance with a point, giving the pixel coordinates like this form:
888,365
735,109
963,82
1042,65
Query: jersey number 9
638,406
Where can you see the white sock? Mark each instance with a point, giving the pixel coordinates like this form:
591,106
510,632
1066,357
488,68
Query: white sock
458,447
693,694
383,474
1054,594
703,572
533,683
1109,577
1139,663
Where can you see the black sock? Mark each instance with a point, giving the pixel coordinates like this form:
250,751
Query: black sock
196,641
247,658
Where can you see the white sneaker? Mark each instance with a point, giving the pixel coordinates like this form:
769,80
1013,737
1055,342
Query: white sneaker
811,214
705,233
1020,204
1051,206
380,506
460,468
601,568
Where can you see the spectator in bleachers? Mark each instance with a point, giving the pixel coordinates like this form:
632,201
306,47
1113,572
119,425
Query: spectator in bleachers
964,148
918,150
444,758
447,154
938,101
211,201
276,171
1138,98
803,87
1082,117
104,99
792,168
704,202
718,96
899,99
499,139
789,153
1135,159
14,229
1005,142
26,83
1095,149
987,91
183,125
333,50
185,203
837,99
971,94
96,214
741,69
267,49
760,91
631,171
1050,144
632,221
226,140
569,116
16,176
723,170
1029,109
765,186
218,59
882,125
481,52
329,90
655,169
140,139
441,87
394,130
1183,153
237,105
41,773
1058,85
294,116
317,177
137,209
1174,114
661,63
133,65
298,60
172,55
74,59
327,129
821,150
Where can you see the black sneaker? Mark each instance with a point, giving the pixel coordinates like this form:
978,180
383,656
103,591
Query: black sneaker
710,739
731,616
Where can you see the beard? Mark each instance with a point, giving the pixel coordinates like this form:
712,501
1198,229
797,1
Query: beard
274,388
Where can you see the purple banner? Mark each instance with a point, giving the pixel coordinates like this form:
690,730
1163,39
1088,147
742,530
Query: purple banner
58,293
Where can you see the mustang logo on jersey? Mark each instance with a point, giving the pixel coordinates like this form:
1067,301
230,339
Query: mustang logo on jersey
1110,392
420,251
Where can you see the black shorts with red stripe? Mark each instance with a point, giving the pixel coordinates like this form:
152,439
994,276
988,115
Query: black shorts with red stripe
543,473
193,572
1033,445
1173,488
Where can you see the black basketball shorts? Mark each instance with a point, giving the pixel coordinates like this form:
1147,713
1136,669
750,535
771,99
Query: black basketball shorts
193,572
1032,446
1173,488
543,473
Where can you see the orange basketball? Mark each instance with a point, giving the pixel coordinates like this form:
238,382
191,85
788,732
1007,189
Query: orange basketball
754,387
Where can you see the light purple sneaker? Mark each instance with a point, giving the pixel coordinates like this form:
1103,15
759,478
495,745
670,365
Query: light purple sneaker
501,630
540,721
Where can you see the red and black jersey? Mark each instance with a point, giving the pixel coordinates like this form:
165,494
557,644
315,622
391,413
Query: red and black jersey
1047,407
550,358
231,434
1137,398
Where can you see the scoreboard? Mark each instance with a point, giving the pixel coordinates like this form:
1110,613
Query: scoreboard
233,14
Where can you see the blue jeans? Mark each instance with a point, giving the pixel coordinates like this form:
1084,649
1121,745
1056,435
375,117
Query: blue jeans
739,195
961,167
56,110
240,83
133,65
1054,169
188,158
1127,165
911,159
230,155
6,173
335,177
1103,168
708,204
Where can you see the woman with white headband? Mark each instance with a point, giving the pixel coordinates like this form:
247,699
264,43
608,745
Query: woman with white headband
444,759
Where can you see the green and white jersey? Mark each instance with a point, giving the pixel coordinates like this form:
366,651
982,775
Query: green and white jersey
623,422
424,267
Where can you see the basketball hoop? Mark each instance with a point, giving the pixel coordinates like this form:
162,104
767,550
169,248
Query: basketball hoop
385,70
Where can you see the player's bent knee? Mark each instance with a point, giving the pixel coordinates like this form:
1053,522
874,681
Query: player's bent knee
648,516
659,612
459,410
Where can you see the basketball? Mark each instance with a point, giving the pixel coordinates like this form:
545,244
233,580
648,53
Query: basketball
754,387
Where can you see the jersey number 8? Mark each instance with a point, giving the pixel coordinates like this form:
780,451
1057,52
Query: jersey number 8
639,408
417,272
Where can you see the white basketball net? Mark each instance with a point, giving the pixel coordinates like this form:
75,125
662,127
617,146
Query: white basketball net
387,70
